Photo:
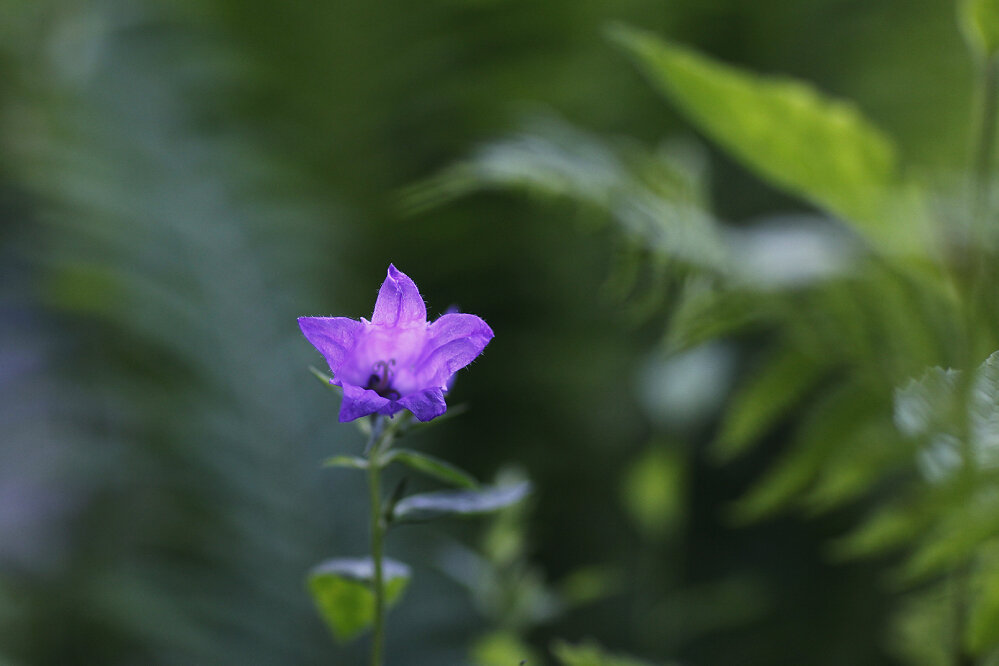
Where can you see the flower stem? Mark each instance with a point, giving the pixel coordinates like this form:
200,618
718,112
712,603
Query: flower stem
377,536
379,434
383,431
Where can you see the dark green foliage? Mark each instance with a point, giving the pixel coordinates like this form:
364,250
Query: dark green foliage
179,181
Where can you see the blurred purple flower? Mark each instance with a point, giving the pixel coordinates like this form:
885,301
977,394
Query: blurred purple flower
398,360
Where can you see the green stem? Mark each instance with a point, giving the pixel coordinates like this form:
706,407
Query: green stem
983,152
377,537
985,138
383,432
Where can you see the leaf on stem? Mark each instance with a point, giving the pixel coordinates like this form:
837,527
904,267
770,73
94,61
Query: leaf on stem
353,462
435,467
325,379
427,506
343,594
785,131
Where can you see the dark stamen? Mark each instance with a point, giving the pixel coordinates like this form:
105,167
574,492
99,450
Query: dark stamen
380,380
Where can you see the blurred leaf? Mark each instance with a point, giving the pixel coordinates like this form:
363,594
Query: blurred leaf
869,450
818,148
589,584
554,159
590,654
923,631
653,491
706,311
503,649
342,591
840,446
353,462
886,529
765,398
435,467
966,521
980,23
427,506
983,413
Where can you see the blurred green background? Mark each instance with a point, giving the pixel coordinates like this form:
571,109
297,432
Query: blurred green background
180,180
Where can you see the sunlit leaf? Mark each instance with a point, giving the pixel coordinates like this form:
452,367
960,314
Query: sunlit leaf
502,649
888,528
435,467
342,591
427,506
980,23
821,149
590,654
653,491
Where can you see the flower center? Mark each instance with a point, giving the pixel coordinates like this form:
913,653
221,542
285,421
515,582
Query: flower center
380,380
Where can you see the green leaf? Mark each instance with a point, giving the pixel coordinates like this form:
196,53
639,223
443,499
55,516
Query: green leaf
427,506
502,648
327,380
982,632
364,425
342,591
821,149
704,312
980,23
653,491
777,387
983,413
432,466
353,462
590,654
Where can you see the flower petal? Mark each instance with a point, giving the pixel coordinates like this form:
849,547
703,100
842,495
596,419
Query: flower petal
399,302
334,337
425,405
358,402
455,340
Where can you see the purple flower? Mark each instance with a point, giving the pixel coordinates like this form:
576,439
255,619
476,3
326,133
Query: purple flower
398,360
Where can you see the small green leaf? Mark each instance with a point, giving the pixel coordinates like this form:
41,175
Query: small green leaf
980,23
590,654
353,462
427,506
342,591
432,466
785,131
325,379
364,425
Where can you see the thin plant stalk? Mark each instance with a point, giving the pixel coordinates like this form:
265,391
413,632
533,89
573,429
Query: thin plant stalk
983,157
985,137
383,431
379,435
377,536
